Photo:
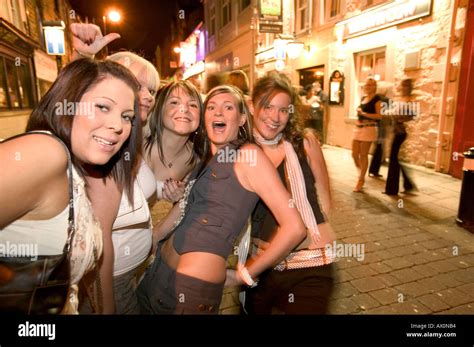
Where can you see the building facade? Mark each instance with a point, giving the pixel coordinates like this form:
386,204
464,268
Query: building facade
26,70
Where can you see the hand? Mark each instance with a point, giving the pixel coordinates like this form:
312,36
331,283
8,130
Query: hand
232,279
173,190
359,111
87,38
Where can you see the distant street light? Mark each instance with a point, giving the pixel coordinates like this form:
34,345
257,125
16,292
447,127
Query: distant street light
114,16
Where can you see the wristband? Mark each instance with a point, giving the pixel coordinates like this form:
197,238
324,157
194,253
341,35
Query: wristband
244,274
83,55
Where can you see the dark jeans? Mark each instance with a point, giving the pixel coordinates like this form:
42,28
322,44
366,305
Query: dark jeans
165,291
376,160
394,168
299,291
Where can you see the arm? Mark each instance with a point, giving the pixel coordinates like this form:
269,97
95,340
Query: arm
316,162
87,40
263,179
164,227
33,179
105,199
376,116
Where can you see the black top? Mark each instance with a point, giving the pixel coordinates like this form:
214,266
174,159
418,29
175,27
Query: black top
370,107
264,224
218,208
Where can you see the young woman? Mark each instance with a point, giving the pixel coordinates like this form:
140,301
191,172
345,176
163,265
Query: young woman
89,112
306,273
365,131
174,145
406,112
188,273
126,221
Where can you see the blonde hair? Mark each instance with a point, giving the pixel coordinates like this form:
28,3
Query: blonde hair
128,59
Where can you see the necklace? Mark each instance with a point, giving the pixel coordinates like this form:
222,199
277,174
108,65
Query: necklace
169,163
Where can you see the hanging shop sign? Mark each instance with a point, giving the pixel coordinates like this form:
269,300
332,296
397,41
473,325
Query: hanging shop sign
270,10
385,16
272,28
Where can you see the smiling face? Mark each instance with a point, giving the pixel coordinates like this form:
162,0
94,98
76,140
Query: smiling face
147,93
271,119
222,119
181,112
99,130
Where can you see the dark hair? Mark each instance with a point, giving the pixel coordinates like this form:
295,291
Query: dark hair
72,83
156,125
213,80
265,89
239,79
245,134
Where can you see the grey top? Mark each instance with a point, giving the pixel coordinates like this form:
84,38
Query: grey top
218,208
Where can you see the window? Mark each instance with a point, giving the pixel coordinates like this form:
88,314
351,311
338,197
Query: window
303,8
244,4
226,12
335,8
371,64
212,24
15,85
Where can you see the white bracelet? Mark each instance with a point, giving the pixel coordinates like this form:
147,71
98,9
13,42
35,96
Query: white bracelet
85,56
244,274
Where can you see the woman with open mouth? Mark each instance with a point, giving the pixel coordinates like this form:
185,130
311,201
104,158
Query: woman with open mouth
188,273
301,284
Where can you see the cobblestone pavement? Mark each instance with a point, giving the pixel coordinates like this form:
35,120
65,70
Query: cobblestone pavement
416,259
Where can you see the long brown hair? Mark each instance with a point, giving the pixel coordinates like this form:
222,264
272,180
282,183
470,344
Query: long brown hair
156,125
72,83
264,91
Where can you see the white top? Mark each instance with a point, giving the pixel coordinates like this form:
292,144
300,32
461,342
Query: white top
50,237
131,232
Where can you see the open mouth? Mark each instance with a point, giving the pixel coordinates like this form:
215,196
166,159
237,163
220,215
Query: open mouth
272,126
183,119
104,142
218,126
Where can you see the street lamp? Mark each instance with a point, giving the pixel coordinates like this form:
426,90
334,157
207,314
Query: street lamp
114,16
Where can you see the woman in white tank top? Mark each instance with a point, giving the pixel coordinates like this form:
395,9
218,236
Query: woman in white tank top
100,98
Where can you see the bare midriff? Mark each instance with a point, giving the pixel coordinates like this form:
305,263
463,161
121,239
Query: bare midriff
202,265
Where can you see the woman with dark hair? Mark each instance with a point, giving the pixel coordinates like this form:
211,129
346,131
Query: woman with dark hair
404,112
307,272
188,273
89,115
174,144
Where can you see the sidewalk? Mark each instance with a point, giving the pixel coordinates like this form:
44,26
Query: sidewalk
416,260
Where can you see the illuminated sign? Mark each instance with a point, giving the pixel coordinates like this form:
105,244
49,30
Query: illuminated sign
54,37
385,16
270,9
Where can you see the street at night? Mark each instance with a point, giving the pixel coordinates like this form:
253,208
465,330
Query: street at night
238,158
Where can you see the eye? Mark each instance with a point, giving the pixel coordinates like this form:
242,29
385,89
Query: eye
174,102
193,105
210,108
128,117
229,108
152,92
284,110
268,107
102,108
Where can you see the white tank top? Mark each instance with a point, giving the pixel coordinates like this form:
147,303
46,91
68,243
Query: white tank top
131,232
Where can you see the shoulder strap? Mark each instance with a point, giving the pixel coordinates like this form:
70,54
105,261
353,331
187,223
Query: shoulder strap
71,223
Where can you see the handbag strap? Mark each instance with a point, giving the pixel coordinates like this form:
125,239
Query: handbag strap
71,229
